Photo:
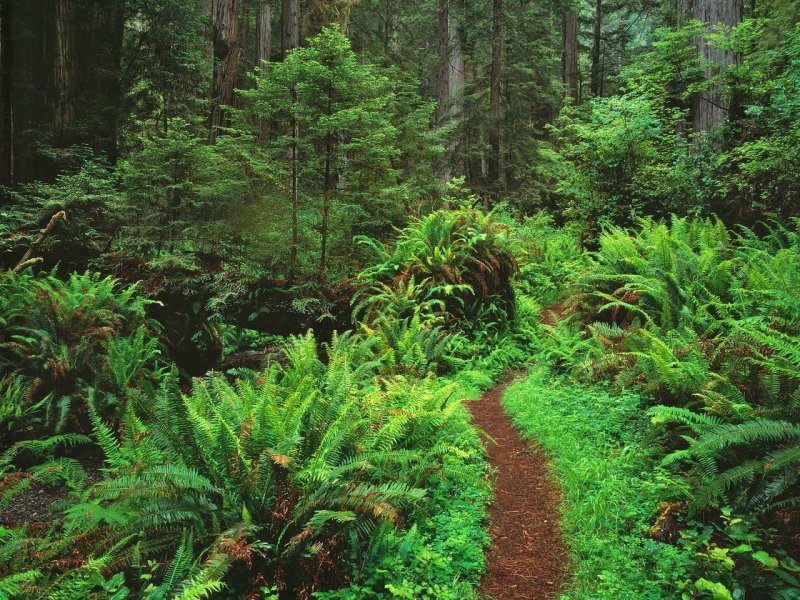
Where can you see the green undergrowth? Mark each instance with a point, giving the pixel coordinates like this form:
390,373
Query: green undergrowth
442,556
611,483
341,469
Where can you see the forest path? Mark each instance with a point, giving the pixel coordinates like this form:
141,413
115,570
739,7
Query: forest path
528,554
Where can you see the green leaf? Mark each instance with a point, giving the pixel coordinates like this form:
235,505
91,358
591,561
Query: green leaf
718,591
765,559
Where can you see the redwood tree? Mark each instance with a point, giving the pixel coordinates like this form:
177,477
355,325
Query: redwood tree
711,107
225,38
570,64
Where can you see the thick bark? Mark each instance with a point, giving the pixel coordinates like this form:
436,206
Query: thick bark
711,107
263,51
64,73
225,32
597,72
6,94
263,33
495,101
291,25
570,65
242,80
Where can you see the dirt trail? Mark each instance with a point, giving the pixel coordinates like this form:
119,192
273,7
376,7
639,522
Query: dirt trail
528,555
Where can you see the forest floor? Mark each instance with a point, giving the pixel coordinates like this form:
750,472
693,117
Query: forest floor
528,554
32,505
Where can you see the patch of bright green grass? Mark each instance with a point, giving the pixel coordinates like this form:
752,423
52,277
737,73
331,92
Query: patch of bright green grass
611,486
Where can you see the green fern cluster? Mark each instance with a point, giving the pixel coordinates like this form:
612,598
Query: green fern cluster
708,320
61,338
284,477
457,261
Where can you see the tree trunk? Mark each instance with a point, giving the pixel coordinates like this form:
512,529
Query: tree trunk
6,95
443,79
443,76
263,52
263,33
711,107
457,82
495,101
683,12
242,80
294,189
327,188
457,73
571,55
64,73
225,30
597,73
291,25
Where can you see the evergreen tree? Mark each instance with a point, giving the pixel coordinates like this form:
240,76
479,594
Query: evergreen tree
334,145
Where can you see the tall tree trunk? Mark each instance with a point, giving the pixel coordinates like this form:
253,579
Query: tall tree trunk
225,30
711,107
471,161
263,33
457,82
290,39
443,79
263,51
291,25
570,65
457,72
327,189
242,80
64,73
495,100
443,76
6,95
597,72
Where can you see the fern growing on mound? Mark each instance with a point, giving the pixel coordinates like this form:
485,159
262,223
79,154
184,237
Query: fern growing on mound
461,260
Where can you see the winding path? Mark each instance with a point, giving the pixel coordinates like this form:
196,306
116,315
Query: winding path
528,555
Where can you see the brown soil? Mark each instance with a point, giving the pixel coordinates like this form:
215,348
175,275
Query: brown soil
32,506
528,554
